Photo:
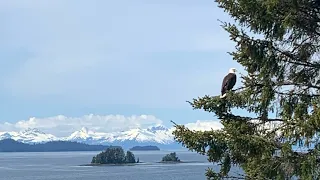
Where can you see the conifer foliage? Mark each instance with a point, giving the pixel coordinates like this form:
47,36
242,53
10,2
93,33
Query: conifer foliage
281,93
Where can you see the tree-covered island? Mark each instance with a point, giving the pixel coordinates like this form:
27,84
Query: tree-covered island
114,155
145,148
172,157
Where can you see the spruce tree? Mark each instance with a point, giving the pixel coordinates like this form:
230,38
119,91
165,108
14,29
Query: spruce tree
280,93
129,158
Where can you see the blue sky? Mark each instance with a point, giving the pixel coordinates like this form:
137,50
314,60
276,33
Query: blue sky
75,58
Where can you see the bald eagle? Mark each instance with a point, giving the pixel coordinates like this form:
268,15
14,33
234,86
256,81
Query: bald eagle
228,82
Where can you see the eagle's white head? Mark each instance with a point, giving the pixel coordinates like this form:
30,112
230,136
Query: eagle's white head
232,70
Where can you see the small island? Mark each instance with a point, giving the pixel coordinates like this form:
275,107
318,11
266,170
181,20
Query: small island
114,156
171,158
145,148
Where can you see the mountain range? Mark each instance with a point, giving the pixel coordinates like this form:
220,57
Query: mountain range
157,135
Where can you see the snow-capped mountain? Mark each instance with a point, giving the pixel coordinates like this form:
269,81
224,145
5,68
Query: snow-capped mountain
30,135
87,136
157,135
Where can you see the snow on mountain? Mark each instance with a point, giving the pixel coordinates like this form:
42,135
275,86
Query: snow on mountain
30,135
87,136
152,135
157,134
8,135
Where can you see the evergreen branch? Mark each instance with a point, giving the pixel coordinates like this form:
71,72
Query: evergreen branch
298,94
288,83
291,56
240,88
174,123
234,177
273,120
247,118
266,43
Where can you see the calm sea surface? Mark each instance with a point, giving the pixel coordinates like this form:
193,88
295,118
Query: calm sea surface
65,166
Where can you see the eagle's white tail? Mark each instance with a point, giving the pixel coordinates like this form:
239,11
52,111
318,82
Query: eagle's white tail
222,96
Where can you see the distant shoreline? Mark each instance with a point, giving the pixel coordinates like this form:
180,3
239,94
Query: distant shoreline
145,148
10,145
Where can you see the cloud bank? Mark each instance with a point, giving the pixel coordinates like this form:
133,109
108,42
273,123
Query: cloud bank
62,126
204,125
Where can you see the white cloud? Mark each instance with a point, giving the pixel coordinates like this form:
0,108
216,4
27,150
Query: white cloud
62,126
204,125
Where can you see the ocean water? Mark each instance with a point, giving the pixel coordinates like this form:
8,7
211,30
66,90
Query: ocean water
65,166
